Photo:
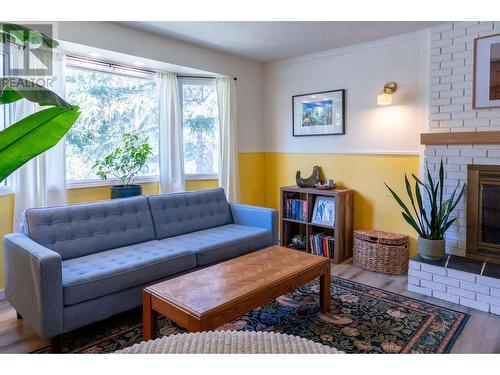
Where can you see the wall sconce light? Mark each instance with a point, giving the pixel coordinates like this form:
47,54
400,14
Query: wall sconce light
385,96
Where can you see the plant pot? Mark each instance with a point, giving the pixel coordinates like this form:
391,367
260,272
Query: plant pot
122,191
431,249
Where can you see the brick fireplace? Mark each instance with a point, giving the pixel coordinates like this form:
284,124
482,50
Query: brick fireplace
451,68
468,142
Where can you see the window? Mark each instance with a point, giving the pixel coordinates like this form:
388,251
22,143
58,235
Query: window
113,101
200,122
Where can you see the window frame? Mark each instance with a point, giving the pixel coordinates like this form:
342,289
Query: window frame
84,64
204,81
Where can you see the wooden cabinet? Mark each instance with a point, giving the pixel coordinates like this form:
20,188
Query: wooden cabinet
341,230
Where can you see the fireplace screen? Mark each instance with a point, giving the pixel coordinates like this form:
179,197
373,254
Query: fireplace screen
483,213
490,214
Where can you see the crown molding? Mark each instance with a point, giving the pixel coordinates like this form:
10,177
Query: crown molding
416,35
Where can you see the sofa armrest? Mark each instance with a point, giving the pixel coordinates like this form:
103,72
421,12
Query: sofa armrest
33,283
254,216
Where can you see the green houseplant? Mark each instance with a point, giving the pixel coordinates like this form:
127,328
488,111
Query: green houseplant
431,225
125,163
41,130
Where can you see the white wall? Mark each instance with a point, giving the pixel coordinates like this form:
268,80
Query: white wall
362,70
119,38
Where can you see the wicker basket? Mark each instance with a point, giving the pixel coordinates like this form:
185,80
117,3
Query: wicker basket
381,251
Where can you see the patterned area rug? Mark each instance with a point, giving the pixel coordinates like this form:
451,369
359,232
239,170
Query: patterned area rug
363,319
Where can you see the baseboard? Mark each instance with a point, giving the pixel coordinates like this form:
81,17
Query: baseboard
2,294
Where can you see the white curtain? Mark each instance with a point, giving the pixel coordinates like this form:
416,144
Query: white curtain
42,180
171,150
228,160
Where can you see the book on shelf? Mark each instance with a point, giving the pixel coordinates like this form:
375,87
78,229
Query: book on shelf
296,209
321,244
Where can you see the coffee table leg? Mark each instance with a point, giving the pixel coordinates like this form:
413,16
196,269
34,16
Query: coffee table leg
324,289
149,316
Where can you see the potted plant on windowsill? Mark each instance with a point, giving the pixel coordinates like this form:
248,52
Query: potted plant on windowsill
125,163
431,226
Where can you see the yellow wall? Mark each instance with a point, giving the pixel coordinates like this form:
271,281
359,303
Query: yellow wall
252,178
103,192
262,174
365,174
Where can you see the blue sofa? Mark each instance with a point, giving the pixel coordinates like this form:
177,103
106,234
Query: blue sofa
77,264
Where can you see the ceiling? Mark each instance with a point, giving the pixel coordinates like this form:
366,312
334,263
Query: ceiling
271,41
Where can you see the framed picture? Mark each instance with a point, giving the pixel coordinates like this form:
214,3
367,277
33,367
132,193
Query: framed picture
324,211
319,113
486,90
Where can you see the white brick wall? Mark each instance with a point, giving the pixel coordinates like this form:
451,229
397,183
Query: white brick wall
451,110
464,288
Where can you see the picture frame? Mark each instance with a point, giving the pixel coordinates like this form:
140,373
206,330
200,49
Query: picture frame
318,113
324,211
486,73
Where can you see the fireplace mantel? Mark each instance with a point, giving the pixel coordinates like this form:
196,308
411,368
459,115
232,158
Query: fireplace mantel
461,138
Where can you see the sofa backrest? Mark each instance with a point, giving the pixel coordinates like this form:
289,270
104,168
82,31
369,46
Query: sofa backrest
180,213
82,229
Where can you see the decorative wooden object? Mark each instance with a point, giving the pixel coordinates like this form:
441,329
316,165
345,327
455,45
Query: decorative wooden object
459,138
311,181
380,251
342,230
208,298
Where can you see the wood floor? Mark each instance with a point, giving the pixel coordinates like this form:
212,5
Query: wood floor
480,335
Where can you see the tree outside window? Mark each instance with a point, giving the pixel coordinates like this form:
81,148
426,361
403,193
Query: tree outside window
200,126
112,104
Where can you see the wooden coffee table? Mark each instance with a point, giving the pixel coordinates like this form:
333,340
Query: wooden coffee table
208,298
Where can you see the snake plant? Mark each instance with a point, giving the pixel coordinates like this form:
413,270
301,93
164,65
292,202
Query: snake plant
41,130
429,224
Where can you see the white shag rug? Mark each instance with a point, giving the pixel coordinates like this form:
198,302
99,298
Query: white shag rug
230,342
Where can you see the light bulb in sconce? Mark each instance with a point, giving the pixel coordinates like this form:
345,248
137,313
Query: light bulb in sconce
384,99
385,96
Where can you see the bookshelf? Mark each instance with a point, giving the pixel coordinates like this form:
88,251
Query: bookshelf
341,230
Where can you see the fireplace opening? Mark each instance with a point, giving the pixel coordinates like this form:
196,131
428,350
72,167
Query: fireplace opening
483,213
490,214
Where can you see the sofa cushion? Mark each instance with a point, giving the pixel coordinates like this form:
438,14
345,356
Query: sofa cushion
224,242
82,229
179,213
114,270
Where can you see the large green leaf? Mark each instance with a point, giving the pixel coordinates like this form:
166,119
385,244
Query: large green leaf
23,34
410,195
452,204
33,135
7,38
412,222
421,208
400,202
15,88
441,182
